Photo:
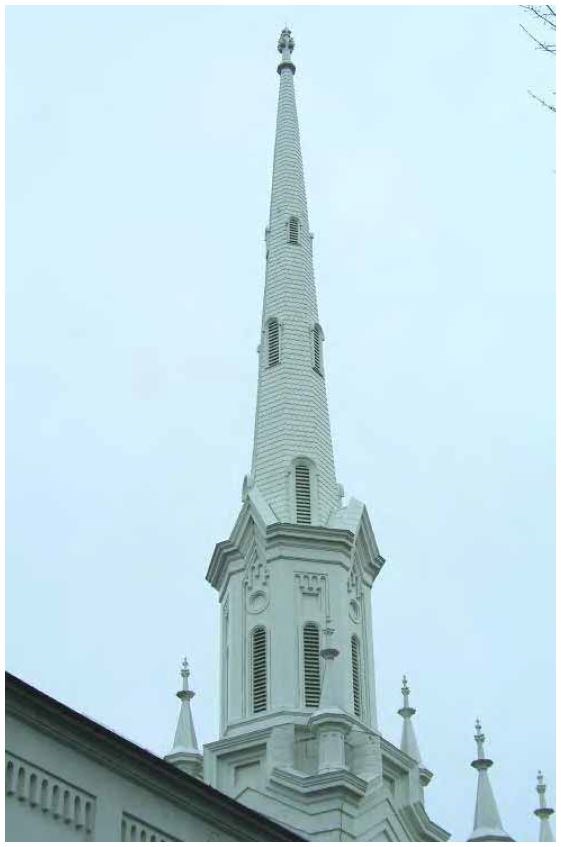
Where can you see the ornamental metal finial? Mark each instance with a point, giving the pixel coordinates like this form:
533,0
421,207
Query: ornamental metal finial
406,710
285,47
479,739
286,44
185,692
540,788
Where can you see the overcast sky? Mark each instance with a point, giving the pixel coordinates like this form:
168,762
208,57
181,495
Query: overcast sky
140,145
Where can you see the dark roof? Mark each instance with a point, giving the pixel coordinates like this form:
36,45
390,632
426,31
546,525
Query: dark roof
21,694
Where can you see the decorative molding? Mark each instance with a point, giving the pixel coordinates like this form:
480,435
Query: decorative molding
354,582
134,829
53,796
310,584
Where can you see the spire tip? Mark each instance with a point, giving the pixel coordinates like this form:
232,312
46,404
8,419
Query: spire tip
285,47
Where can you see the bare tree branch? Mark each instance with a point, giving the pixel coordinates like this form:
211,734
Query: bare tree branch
544,16
543,102
549,48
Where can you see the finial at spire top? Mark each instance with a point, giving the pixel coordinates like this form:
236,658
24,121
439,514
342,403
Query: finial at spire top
543,812
185,672
479,738
285,47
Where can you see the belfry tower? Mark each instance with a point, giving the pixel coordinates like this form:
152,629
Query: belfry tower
299,739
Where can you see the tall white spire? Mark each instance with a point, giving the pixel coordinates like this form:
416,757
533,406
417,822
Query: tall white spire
185,751
292,419
408,739
487,825
543,812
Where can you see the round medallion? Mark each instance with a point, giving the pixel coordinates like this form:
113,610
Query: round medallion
257,602
354,610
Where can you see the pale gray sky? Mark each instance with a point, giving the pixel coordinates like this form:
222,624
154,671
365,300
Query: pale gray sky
139,163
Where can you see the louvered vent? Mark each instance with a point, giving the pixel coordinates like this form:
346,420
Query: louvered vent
303,495
259,667
293,231
274,342
317,348
311,665
355,654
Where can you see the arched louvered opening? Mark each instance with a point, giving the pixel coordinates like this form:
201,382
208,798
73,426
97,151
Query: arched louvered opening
312,685
303,494
357,693
293,231
259,669
318,351
273,342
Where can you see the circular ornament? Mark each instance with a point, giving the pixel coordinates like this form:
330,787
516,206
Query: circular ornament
354,611
257,602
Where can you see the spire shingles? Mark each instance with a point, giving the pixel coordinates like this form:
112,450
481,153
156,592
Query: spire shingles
292,419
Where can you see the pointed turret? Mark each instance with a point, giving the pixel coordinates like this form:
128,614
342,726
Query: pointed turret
408,739
185,751
487,825
543,812
293,466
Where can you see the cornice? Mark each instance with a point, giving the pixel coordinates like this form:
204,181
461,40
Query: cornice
307,787
53,718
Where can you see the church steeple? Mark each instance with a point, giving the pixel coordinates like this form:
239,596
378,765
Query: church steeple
293,466
299,733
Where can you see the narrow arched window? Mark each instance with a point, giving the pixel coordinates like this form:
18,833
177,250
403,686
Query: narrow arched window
55,800
21,784
311,665
318,351
10,777
273,341
33,789
88,814
259,669
66,807
355,658
78,821
303,494
45,795
293,231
